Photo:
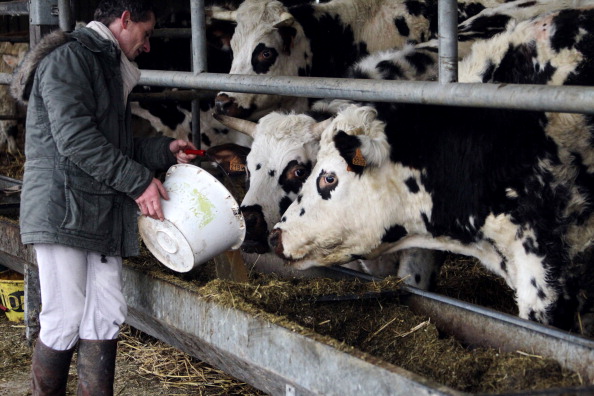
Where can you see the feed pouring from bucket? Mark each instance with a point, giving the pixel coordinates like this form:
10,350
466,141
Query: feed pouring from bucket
202,220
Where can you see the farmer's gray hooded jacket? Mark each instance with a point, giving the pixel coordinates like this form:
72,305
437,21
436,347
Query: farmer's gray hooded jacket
83,167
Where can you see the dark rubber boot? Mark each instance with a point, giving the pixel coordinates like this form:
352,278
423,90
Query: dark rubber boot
49,370
96,367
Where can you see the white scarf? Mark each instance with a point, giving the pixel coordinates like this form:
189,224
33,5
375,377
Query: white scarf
130,72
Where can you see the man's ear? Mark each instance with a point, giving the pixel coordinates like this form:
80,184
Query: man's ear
125,19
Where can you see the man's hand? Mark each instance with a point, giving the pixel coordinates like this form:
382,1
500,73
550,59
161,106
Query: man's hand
177,147
149,202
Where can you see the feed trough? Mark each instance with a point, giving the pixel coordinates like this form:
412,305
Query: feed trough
279,358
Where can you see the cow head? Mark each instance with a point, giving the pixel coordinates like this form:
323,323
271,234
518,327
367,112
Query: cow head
282,155
344,208
267,40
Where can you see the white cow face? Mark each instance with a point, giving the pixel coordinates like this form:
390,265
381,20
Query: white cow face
267,40
344,208
281,158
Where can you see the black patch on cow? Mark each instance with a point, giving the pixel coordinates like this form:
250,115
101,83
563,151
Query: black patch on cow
414,7
284,203
488,73
425,219
205,139
103,258
256,235
294,175
394,234
271,173
517,66
258,166
412,185
283,219
420,61
263,58
494,149
389,70
526,4
346,146
299,198
302,212
331,56
503,266
529,245
484,27
325,193
357,72
402,26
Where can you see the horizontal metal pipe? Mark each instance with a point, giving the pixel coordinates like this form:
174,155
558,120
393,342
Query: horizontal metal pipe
20,7
185,95
571,99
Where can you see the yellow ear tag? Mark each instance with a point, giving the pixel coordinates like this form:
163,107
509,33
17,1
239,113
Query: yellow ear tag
235,165
358,159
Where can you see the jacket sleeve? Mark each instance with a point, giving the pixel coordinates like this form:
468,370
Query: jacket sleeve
66,86
154,153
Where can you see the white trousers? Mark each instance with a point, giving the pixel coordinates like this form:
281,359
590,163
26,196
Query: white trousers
81,295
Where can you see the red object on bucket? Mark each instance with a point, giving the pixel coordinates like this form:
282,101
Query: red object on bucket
200,153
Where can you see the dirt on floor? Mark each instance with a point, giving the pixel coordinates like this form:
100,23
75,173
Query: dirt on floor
145,367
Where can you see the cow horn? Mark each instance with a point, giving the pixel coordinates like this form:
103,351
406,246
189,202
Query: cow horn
239,124
285,19
226,15
319,127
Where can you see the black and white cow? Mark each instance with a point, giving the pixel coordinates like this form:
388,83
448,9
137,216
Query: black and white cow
514,189
319,40
283,152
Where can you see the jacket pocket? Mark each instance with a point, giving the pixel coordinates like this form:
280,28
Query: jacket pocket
89,206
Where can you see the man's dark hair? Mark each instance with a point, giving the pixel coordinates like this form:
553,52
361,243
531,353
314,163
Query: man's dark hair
109,10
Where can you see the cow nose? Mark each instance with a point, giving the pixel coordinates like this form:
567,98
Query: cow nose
256,230
275,240
224,104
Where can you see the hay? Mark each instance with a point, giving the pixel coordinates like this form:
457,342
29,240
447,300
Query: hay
385,329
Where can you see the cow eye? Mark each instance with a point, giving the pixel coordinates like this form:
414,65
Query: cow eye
301,173
266,54
329,179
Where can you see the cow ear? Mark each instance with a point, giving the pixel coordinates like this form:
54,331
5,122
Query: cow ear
374,150
284,20
230,156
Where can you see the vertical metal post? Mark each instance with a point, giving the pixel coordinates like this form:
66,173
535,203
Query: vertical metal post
447,16
198,59
65,15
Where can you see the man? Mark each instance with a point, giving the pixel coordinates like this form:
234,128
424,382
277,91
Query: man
85,179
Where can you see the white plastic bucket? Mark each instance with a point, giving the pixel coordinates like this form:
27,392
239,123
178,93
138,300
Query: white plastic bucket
202,220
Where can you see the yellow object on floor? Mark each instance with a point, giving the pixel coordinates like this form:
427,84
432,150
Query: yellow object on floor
12,295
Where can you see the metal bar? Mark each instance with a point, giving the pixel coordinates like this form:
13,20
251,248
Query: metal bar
183,96
14,8
447,16
572,99
65,15
198,60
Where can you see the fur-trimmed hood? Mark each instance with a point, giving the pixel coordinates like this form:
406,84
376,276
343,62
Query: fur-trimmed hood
22,77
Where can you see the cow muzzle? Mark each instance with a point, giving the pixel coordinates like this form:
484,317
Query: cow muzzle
275,240
226,105
256,230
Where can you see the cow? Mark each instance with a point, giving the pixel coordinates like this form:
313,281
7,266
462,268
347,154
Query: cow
512,188
283,152
319,40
